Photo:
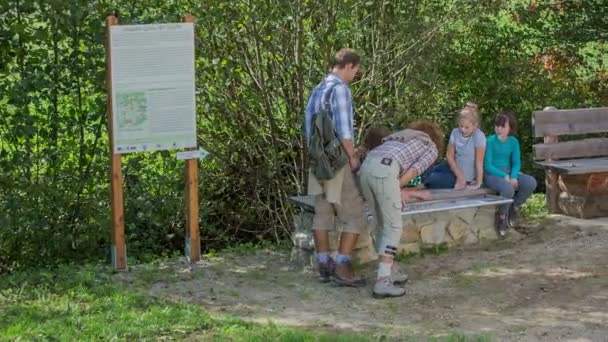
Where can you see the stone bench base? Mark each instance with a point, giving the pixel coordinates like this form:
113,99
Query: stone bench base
450,228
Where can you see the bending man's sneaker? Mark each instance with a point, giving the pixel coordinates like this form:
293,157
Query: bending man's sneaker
326,270
345,276
398,274
384,288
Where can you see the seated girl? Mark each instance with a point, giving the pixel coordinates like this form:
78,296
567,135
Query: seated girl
464,157
502,167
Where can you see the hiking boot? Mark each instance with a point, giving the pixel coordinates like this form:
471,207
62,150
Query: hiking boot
326,270
385,288
513,217
501,226
345,276
398,274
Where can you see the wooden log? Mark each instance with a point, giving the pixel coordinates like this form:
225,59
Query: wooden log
582,185
573,184
585,207
551,187
571,205
597,183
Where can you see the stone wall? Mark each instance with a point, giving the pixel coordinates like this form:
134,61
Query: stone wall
450,228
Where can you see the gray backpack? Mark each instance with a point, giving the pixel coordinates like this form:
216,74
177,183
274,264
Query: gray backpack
327,156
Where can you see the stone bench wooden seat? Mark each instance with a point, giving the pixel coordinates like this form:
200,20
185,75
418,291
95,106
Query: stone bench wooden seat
577,170
450,218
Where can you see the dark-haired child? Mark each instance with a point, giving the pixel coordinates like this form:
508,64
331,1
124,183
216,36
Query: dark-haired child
502,166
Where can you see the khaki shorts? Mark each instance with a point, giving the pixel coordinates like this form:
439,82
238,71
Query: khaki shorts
348,216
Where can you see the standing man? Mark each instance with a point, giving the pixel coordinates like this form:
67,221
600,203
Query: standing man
337,198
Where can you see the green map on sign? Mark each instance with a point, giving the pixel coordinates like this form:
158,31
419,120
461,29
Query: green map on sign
131,110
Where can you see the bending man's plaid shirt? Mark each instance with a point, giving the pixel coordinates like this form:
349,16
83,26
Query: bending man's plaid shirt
416,153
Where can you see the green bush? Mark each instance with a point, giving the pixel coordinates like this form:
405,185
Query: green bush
256,63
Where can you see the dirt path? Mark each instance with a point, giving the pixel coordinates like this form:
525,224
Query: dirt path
550,285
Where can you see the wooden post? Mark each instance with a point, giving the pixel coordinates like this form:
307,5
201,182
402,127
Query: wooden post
193,242
551,177
119,250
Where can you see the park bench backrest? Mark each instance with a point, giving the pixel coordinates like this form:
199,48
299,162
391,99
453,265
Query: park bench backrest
553,123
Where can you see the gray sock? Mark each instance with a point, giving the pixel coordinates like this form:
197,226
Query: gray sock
384,269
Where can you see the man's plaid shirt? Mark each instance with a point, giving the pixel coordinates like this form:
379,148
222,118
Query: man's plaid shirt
415,153
341,102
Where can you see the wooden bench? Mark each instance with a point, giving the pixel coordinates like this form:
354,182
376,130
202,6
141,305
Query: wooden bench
451,218
576,171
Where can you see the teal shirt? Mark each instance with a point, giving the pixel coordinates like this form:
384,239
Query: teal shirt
502,157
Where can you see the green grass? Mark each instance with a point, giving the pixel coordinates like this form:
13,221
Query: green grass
535,208
250,248
424,251
84,303
406,258
439,249
463,281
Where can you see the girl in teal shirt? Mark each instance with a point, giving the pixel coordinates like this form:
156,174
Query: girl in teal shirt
502,166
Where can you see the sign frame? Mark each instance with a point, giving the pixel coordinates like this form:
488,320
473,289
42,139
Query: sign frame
118,248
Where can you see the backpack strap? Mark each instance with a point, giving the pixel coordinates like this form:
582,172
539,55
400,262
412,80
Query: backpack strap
326,105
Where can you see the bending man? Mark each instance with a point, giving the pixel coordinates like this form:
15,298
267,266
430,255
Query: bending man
385,172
